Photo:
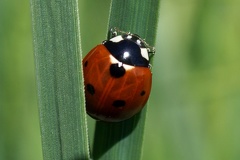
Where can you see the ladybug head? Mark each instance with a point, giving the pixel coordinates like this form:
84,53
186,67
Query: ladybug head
129,49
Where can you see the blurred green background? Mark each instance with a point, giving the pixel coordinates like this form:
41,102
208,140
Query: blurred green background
194,107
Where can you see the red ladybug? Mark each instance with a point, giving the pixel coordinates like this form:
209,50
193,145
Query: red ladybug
117,77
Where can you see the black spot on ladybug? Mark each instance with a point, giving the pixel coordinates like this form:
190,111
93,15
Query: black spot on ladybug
85,64
119,103
90,89
142,93
116,70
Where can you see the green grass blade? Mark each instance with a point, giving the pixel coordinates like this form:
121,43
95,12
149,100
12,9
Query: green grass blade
57,50
124,140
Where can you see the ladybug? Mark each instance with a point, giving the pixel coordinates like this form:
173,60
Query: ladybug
117,77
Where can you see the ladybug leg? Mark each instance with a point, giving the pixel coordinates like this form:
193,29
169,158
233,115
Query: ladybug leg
104,41
151,50
150,66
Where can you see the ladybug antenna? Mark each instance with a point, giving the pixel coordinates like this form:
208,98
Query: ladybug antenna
115,32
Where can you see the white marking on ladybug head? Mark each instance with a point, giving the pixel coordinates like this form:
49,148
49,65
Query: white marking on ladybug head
138,42
116,39
144,53
129,36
